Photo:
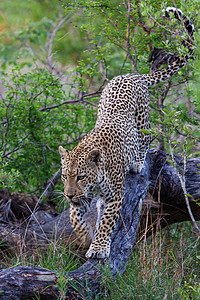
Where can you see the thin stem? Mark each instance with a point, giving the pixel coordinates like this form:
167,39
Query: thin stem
182,181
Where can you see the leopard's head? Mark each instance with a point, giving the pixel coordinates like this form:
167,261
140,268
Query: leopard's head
80,172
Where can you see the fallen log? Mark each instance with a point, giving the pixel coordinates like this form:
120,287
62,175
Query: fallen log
157,187
165,203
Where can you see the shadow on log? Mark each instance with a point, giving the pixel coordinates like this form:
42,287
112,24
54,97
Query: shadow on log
157,187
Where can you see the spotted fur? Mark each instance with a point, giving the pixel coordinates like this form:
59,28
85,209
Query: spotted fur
115,145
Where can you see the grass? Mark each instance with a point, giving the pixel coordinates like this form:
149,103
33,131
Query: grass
57,256
166,266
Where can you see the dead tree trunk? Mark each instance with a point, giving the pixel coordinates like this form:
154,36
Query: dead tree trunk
158,187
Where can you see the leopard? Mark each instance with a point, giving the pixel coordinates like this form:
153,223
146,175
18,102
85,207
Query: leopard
116,145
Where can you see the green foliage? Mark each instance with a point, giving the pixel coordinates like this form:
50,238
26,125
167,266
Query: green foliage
30,133
191,289
101,39
7,178
26,29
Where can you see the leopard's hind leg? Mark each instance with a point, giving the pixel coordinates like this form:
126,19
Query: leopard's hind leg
143,124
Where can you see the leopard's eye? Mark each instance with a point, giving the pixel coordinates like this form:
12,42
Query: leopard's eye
64,177
80,177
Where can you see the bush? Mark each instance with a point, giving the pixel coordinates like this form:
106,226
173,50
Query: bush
31,132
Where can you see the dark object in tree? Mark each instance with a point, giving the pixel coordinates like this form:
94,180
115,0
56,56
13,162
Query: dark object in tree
164,205
159,57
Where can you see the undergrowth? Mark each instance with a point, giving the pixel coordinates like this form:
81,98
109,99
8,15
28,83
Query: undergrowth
165,266
56,256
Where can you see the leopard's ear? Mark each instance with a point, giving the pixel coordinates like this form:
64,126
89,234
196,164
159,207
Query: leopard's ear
63,153
93,157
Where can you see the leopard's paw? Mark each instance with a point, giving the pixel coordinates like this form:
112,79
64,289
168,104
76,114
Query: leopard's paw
136,168
94,252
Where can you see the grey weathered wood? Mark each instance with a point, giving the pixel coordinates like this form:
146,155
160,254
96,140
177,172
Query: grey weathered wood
28,283
166,205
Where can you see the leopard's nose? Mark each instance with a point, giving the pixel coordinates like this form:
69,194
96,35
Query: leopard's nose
70,197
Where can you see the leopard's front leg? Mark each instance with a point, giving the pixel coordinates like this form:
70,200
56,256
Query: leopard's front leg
100,247
80,226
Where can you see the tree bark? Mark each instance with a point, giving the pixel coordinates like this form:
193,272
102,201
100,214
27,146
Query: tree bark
157,187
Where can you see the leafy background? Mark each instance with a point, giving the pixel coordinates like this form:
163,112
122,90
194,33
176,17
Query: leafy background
55,58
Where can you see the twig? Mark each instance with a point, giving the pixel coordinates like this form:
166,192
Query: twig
51,185
93,94
49,44
182,181
16,149
128,45
4,122
160,107
146,28
110,19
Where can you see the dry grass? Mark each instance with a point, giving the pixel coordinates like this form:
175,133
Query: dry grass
160,266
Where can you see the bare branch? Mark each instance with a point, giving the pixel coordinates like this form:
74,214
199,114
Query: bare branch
17,148
4,122
51,185
183,185
49,47
161,99
128,45
146,28
114,24
49,44
93,94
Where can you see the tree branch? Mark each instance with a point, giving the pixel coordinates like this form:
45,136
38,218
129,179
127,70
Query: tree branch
128,45
89,95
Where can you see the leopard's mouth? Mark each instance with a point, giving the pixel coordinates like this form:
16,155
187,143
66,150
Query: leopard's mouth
79,201
75,202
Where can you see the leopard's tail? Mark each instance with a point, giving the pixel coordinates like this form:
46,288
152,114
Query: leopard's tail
180,62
